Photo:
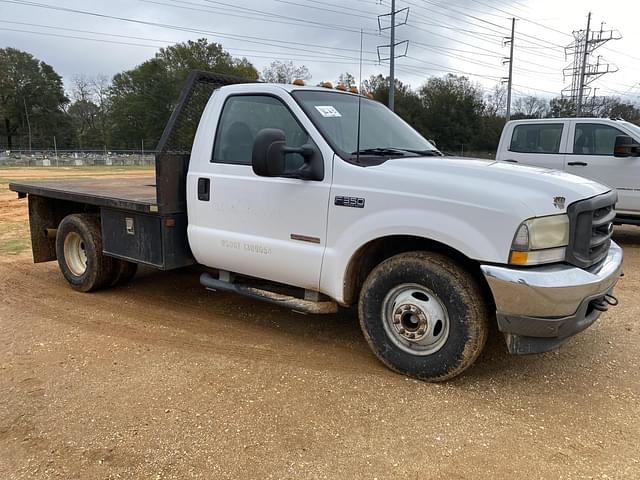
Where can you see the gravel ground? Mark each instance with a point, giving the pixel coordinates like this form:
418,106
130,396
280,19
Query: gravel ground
162,380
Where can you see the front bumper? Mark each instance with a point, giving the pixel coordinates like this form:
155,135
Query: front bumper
539,308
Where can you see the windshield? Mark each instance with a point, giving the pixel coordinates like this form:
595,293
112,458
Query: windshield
382,132
634,128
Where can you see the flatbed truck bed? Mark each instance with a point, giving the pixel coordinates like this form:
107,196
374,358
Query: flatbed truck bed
135,193
135,227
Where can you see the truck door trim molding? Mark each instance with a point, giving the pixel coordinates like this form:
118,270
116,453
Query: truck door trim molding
305,238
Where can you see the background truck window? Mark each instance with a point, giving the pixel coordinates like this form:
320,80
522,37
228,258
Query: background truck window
595,139
242,117
536,138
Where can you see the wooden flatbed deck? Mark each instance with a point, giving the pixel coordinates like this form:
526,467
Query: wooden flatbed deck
136,193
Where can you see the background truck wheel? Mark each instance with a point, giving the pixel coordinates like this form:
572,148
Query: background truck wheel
423,315
79,252
123,272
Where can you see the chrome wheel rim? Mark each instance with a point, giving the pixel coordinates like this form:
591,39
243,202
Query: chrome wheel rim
415,319
75,254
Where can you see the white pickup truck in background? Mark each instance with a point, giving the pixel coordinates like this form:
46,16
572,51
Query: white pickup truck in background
605,150
282,194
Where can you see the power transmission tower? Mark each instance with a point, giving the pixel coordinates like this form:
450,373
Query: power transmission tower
509,79
581,71
392,46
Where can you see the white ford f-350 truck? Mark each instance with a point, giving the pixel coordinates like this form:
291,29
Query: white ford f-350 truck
285,196
606,150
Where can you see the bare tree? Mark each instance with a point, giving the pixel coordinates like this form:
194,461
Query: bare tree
284,72
347,80
496,100
531,107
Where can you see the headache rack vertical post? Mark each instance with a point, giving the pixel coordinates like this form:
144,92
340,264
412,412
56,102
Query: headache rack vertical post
173,152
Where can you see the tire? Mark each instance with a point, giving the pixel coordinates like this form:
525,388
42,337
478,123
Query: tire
123,272
79,252
432,298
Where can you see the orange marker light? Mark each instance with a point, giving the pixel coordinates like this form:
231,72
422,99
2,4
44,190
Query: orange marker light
519,258
353,89
326,84
299,82
342,87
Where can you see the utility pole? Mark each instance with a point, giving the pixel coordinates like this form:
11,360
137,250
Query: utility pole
392,61
55,148
510,79
392,46
583,67
581,71
26,114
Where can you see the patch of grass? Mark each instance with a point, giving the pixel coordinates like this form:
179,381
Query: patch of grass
14,246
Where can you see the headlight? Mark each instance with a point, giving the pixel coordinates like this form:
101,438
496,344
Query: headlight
540,240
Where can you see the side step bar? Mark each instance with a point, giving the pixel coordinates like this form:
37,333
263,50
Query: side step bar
287,301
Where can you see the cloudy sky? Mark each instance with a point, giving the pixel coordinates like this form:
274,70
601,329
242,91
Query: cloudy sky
464,37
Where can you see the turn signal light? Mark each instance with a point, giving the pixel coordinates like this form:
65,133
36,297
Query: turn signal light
519,258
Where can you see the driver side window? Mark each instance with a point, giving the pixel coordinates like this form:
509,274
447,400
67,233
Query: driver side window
595,139
243,116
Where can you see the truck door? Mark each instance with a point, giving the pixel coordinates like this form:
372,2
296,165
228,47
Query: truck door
592,157
265,227
537,144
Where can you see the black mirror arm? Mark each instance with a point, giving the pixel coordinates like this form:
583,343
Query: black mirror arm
305,150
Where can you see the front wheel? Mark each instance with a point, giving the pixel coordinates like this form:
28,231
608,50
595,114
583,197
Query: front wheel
423,315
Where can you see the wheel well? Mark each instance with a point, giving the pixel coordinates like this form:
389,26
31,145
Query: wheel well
47,213
376,251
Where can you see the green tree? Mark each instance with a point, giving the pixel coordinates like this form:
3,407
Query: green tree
561,107
142,99
31,99
407,103
453,108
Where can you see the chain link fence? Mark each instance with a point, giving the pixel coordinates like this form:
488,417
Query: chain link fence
75,158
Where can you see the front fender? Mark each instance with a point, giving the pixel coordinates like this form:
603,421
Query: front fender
490,243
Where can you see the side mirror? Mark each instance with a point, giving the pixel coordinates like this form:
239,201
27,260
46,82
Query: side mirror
625,146
268,157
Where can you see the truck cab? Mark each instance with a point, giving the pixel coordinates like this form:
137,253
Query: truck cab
603,149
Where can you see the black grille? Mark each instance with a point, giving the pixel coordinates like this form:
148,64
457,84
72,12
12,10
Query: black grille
591,229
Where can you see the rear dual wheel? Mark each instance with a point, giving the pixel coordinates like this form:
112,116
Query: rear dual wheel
80,257
423,315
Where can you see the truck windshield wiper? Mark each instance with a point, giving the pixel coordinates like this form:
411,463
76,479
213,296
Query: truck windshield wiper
382,151
422,153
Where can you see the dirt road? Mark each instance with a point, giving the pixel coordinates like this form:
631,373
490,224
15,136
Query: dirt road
163,380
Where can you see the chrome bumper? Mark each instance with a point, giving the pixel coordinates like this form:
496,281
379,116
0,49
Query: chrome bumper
538,308
553,290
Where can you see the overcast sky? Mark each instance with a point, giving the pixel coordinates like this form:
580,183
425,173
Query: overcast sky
457,36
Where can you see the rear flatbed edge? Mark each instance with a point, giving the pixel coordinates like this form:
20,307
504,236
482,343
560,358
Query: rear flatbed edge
65,192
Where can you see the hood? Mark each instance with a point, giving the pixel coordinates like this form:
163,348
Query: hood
542,191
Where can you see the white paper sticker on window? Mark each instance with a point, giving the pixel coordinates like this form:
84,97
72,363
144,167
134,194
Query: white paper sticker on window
328,111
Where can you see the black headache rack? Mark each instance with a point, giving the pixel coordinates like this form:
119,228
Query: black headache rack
160,239
174,148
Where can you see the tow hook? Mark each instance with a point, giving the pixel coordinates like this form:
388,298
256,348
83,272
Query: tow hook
605,302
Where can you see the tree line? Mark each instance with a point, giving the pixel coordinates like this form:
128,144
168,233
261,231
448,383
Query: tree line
130,110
